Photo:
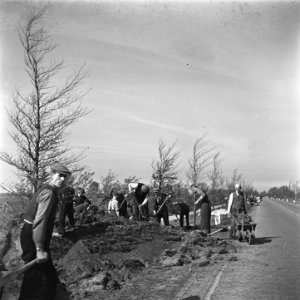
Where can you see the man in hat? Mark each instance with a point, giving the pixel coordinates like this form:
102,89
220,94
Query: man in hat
139,203
40,281
236,205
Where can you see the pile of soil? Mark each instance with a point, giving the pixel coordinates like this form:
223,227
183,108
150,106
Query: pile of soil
121,259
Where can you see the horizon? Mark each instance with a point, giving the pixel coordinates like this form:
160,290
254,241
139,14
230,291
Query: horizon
173,71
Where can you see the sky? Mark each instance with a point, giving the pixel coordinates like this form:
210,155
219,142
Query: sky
171,71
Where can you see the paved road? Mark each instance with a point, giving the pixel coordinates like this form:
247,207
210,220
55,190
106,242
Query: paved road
269,269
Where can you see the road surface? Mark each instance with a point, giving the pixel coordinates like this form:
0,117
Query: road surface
269,269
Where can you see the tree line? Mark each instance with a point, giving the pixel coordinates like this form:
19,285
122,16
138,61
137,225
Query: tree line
41,119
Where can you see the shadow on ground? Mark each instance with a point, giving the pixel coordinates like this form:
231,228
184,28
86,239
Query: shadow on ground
264,240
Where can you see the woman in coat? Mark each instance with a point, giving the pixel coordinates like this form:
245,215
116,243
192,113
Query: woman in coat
202,202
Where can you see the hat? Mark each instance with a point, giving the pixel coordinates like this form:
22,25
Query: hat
59,168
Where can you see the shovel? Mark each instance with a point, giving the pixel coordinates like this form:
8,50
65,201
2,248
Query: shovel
7,276
221,229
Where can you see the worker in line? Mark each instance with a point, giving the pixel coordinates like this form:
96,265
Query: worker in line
160,208
139,202
236,205
113,205
184,212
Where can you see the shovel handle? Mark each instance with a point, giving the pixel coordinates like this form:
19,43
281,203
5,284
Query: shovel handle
7,276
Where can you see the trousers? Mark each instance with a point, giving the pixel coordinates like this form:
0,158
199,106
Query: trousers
40,281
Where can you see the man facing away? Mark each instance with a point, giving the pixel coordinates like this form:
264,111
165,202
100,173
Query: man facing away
39,282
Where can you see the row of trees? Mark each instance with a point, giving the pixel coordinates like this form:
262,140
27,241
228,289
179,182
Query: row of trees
283,192
204,169
41,119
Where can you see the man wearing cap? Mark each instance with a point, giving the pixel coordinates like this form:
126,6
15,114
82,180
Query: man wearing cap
40,281
236,205
139,203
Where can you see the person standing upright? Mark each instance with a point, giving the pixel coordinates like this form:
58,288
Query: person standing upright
39,282
236,205
202,201
66,209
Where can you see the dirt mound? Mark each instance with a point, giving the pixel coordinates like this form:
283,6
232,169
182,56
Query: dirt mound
117,258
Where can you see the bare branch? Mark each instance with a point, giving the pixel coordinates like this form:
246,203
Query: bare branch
41,119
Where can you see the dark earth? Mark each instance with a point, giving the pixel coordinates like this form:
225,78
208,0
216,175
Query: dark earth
120,259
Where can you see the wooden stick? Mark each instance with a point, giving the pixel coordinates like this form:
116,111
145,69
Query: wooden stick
7,276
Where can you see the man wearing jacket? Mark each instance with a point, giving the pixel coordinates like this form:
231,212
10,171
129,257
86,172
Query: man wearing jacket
139,203
160,208
39,282
236,205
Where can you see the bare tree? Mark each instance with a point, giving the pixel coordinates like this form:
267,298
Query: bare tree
199,163
82,177
109,182
235,178
215,177
41,118
165,168
215,174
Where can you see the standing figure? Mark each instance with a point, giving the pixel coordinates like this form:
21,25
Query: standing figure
236,205
40,281
139,203
184,211
121,198
113,205
81,204
160,208
66,209
202,201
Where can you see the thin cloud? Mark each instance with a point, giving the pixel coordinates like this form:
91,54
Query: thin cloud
158,124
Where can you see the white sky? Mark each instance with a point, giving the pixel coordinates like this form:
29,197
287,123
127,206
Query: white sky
173,70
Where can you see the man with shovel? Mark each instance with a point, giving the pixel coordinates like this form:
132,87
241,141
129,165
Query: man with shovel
39,282
140,192
160,208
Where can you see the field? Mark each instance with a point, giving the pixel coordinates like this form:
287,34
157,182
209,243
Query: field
120,259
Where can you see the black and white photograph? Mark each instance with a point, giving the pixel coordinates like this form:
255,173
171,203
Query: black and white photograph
149,149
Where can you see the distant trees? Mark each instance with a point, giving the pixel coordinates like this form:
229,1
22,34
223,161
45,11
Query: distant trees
109,182
40,119
283,192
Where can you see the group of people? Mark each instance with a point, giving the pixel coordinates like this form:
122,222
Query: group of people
134,205
40,281
71,205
